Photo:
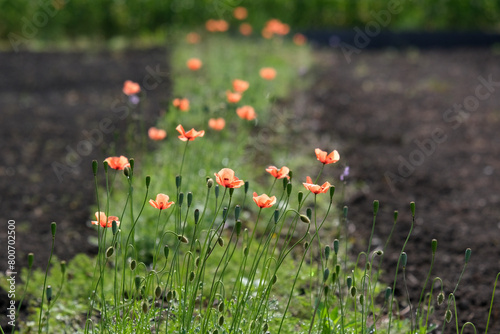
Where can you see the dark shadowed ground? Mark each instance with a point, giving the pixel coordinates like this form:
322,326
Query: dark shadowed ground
386,112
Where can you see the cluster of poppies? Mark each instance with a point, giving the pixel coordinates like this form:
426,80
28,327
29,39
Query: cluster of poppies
225,177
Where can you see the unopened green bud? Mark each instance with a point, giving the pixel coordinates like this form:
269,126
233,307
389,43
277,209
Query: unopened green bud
221,307
237,210
336,246
166,250
334,277
274,279
127,171
388,293
31,258
353,291
94,167
309,213
375,207
53,227
332,192
231,192
110,251
216,331
403,259
300,196
133,265
247,185
349,282
305,219
196,216
216,191
337,269
178,181
190,198
276,216
114,227
145,307
440,298
137,282
148,181
245,251
182,239
197,261
224,213
344,211
395,216
48,291
306,245
158,291
326,273
265,327
191,276
468,252
237,226
412,208
290,174
288,188
327,252
170,295
181,199
220,241
448,315
379,252
105,165
368,266
361,299
285,183
434,246
326,289
131,161
221,320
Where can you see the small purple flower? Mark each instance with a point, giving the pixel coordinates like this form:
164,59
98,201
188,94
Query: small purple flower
134,99
345,173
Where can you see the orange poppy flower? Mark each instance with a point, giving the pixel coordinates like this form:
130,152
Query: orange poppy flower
233,97
267,73
299,39
156,134
181,104
278,173
105,221
118,163
190,135
240,13
315,188
264,201
161,202
275,26
217,123
245,29
131,88
225,177
216,25
240,86
193,38
246,112
326,158
194,64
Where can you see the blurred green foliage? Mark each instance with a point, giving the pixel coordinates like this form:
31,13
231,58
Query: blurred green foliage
52,19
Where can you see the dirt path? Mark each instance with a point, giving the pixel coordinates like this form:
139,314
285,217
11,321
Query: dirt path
391,115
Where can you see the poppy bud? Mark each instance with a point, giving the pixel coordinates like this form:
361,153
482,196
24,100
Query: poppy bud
379,252
182,239
137,282
181,199
53,227
388,293
349,282
276,216
468,252
148,181
49,293
224,213
326,289
145,307
105,164
412,208
434,245
300,196
221,320
166,250
216,331
368,266
237,226
265,327
353,291
309,213
178,181
361,299
285,183
395,216
288,188
375,207
327,252
440,298
306,245
337,269
196,216
336,245
305,219
31,258
231,192
190,198
94,167
170,295
245,251
403,259
191,276
247,184
326,273
197,261
210,183
237,211
290,174
127,171
114,227
131,161
334,277
157,291
332,192
220,241
110,251
216,191
274,279
448,315
221,307
133,265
